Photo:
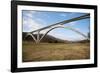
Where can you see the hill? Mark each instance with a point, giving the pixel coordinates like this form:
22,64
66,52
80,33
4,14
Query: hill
47,39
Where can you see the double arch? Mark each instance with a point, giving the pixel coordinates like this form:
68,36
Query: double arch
38,39
70,28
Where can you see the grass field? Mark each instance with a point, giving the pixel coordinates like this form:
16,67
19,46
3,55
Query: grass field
54,51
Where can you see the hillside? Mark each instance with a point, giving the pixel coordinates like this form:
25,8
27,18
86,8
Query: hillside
47,39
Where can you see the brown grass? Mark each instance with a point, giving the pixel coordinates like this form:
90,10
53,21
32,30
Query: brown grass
54,51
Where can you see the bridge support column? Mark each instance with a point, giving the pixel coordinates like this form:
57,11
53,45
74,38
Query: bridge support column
38,37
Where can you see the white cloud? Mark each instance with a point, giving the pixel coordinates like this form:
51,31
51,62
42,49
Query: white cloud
40,20
30,25
78,38
63,15
78,29
72,24
29,14
66,37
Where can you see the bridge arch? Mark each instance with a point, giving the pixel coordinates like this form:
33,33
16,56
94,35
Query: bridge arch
30,34
37,39
70,28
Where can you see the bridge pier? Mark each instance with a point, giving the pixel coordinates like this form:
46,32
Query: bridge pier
38,37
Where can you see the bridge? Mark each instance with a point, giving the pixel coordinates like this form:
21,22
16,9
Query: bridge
38,38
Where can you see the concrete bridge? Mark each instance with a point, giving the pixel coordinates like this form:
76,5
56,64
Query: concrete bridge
37,39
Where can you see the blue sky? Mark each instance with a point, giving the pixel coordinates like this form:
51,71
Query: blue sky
33,20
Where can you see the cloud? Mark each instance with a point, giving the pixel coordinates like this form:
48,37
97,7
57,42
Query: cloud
28,14
63,15
30,25
67,14
66,37
40,20
78,38
71,24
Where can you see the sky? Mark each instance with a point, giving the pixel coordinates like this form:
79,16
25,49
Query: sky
33,20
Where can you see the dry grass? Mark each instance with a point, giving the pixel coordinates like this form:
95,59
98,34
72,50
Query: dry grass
54,51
